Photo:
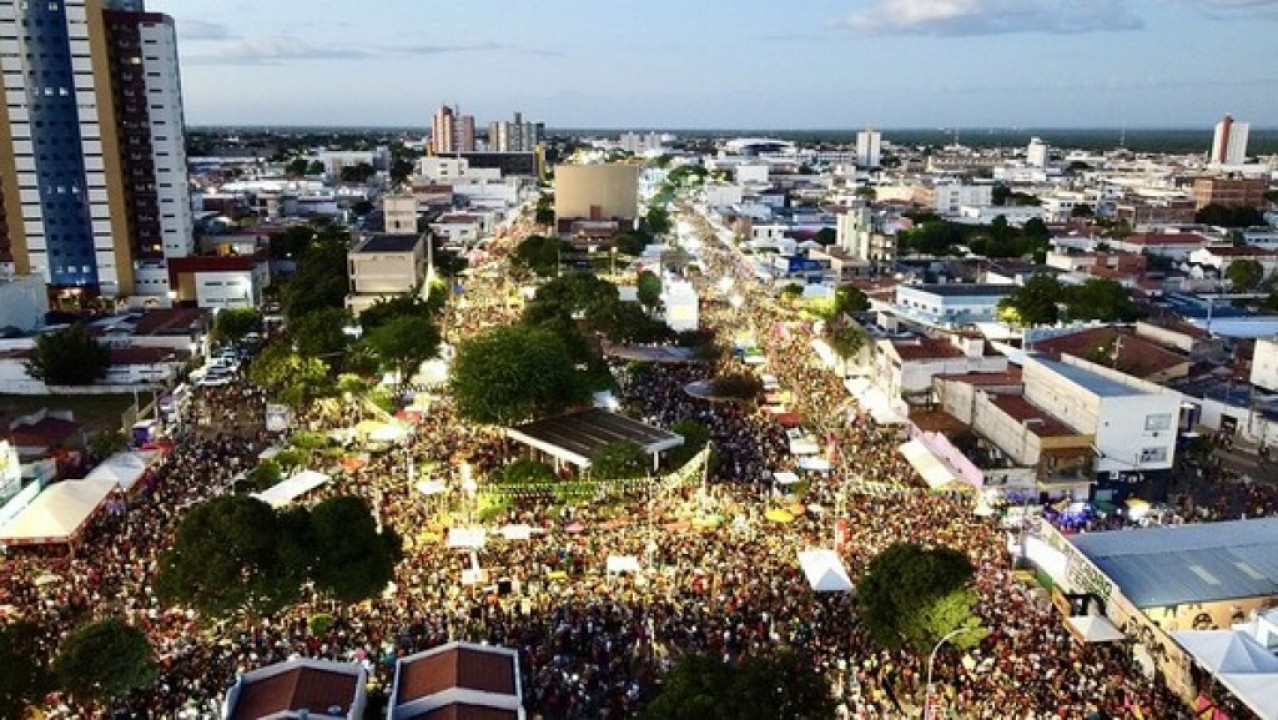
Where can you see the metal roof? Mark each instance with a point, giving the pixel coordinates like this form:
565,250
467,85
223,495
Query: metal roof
1197,563
1094,383
577,437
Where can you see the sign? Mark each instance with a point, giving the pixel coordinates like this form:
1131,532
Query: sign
278,418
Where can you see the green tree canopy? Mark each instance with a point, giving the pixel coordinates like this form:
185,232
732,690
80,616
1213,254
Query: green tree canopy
1245,275
511,374
387,309
280,370
540,254
357,173
321,280
231,556
321,334
70,356
354,561
915,595
619,461
649,289
657,221
1034,303
107,443
232,324
1102,299
525,471
846,337
1222,216
782,685
631,243
105,660
848,299
26,678
404,343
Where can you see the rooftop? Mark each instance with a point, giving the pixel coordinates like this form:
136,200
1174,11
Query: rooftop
173,321
1136,356
1088,380
1185,564
578,436
1035,419
1166,239
384,242
1234,251
926,348
456,666
463,711
307,685
962,289
1011,377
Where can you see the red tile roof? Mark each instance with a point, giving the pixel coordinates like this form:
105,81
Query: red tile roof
169,321
301,688
1234,251
459,667
1011,377
119,356
1041,423
1136,355
46,433
460,711
1166,239
926,349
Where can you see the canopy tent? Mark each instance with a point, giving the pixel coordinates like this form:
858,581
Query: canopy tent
814,464
618,564
389,433
1259,691
873,400
58,514
802,443
933,471
517,532
125,468
286,491
431,487
825,571
1227,651
784,480
577,437
1094,629
467,538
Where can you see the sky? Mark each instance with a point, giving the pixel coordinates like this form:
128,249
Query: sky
767,64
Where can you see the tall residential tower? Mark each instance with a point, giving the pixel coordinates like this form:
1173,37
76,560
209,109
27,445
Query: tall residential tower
1229,146
92,147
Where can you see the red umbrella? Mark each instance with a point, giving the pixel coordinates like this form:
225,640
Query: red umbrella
575,528
789,419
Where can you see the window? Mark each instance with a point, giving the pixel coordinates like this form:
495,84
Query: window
1153,455
1158,422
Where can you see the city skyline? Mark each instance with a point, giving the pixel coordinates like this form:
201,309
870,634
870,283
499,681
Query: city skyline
933,63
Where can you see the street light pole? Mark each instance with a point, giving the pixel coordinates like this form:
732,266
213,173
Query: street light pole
931,660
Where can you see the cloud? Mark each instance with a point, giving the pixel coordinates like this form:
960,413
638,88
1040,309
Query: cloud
430,49
957,18
1236,9
274,51
203,30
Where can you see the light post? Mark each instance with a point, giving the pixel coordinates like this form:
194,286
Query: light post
931,659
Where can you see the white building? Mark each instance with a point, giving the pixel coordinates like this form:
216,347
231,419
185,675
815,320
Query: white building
1229,144
384,266
950,304
399,214
1264,364
753,174
906,367
23,302
1134,422
1036,153
869,147
950,198
680,300
1016,215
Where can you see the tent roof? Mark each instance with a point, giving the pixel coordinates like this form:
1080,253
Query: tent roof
58,513
933,471
125,468
287,491
1258,691
825,571
1094,629
1227,651
576,437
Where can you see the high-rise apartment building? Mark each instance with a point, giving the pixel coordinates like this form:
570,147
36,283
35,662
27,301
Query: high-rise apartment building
92,146
515,136
1229,145
1036,153
452,132
869,145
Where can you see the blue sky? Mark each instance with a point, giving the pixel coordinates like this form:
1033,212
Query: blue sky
731,63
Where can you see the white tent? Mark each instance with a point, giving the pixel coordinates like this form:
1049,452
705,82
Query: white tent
618,564
825,571
389,433
124,469
468,538
1094,629
1227,651
933,471
431,487
785,479
802,443
289,490
814,464
1259,691
57,514
517,532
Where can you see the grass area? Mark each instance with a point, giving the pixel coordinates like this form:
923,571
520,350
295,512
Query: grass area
92,411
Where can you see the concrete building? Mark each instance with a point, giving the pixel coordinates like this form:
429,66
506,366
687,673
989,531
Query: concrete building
857,235
517,135
1134,422
451,132
950,198
92,159
905,368
1230,192
300,689
1173,245
1229,143
1264,364
869,148
1220,257
1036,153
217,283
458,680
950,304
596,192
23,302
399,214
386,265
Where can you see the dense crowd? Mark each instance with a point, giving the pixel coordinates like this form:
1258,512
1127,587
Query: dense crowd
594,644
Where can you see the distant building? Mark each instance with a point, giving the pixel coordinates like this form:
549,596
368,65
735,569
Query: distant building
1264,364
399,214
517,135
949,199
1229,144
869,146
451,132
459,680
383,266
1229,192
301,689
951,304
1036,153
596,192
218,283
857,236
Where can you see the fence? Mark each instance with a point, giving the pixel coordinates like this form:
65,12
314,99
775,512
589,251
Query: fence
577,489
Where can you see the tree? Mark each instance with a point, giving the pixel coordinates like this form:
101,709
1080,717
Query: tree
540,254
736,386
69,357
649,289
358,173
1101,299
915,595
849,300
230,556
1034,303
1222,216
514,373
232,324
657,221
105,660
404,343
782,685
354,561
26,678
320,333
1082,210
321,280
1245,275
1036,230
525,471
315,168
999,194
265,475
826,236
278,369
298,166
387,309
631,243
619,461
846,337
695,436
107,443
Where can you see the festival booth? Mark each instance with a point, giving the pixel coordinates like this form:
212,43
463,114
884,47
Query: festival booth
516,532
1239,663
467,538
59,514
577,437
873,401
929,467
802,443
783,483
825,571
1094,629
286,491
431,487
618,564
124,469
813,463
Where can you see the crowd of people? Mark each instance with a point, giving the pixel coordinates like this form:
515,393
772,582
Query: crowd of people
594,644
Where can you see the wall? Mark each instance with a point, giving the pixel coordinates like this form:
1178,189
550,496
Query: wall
23,302
607,191
1264,365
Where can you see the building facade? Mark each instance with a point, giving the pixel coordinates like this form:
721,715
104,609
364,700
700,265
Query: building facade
92,137
869,147
1229,143
1229,192
452,132
596,192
